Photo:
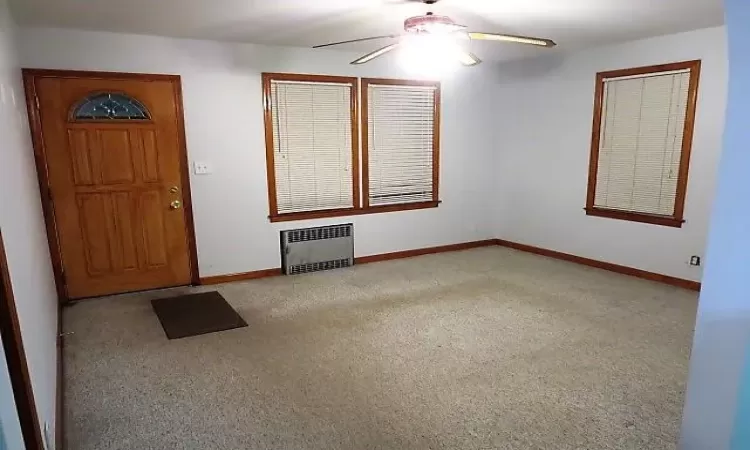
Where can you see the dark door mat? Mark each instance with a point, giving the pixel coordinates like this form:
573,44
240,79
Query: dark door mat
194,314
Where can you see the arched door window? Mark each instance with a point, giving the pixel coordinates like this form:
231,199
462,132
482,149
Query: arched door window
109,106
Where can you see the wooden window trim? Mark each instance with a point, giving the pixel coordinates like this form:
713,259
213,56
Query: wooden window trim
677,219
366,82
270,166
361,205
308,215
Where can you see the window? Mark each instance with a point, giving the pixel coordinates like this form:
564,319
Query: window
110,106
312,145
641,139
400,142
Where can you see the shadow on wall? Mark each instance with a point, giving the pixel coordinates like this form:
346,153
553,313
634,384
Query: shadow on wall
527,69
3,444
262,58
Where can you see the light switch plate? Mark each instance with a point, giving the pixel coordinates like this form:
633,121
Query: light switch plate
202,168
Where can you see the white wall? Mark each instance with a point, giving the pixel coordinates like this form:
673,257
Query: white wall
717,401
543,138
224,126
529,120
22,225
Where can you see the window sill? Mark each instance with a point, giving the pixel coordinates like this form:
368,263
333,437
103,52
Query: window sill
308,215
653,219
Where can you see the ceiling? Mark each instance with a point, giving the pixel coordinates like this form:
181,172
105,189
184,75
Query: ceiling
304,23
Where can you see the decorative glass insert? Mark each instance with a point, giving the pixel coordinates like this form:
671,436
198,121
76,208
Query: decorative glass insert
110,106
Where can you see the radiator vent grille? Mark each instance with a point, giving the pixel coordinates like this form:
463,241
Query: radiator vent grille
316,234
318,266
315,249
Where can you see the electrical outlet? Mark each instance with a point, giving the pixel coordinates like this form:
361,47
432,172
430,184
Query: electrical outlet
695,260
202,168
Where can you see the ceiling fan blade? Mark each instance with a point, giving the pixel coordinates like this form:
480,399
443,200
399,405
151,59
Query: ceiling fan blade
512,38
468,59
388,36
376,54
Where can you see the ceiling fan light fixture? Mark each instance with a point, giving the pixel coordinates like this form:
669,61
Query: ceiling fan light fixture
431,56
430,39
431,24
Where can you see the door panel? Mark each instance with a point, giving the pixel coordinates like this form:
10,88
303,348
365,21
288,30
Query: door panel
115,155
93,226
153,229
150,164
112,183
78,145
125,231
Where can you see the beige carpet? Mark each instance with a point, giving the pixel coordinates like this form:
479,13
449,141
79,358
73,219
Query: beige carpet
482,349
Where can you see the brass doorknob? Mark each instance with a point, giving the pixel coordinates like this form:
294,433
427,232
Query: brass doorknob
175,204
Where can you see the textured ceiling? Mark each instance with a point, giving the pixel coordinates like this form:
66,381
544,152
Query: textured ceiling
304,23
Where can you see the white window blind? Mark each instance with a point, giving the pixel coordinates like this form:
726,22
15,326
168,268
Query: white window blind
312,145
640,146
401,142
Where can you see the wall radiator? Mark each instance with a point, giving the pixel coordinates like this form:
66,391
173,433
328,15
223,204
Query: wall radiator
314,249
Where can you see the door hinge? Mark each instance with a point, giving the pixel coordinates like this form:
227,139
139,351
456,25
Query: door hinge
36,101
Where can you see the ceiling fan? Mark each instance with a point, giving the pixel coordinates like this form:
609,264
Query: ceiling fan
442,31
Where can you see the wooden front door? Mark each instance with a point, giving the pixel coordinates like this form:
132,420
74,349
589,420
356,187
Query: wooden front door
114,155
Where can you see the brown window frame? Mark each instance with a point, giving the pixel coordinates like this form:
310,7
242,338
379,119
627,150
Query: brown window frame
677,218
359,133
366,82
275,216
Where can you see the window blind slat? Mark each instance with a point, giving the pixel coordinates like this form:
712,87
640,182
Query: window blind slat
312,145
400,143
640,146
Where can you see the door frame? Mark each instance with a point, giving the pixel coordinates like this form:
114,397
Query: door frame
10,330
40,157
